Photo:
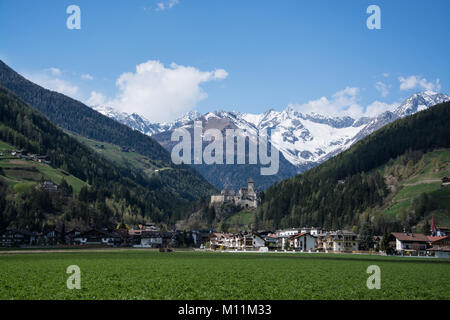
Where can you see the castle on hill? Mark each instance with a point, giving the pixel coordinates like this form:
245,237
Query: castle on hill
245,197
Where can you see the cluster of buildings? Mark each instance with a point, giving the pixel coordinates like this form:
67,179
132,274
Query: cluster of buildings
244,198
21,154
292,239
419,244
341,241
297,239
146,237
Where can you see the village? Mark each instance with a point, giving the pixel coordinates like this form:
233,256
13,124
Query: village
300,240
317,240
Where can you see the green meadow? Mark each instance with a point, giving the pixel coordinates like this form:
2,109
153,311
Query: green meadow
142,274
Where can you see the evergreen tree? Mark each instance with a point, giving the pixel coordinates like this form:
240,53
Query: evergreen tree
366,235
426,229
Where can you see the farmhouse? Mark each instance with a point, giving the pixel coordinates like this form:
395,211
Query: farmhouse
302,242
151,239
241,241
445,182
97,237
156,239
411,243
252,240
49,186
17,238
246,197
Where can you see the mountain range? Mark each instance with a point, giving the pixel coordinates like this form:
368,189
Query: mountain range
303,139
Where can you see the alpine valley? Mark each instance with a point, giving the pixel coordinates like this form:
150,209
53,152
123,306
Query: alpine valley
116,168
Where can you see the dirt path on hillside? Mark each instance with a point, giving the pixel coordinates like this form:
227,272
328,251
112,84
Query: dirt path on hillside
420,182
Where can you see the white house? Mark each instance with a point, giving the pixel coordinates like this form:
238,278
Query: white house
303,242
340,241
288,232
253,240
284,234
240,241
312,231
96,237
411,242
150,239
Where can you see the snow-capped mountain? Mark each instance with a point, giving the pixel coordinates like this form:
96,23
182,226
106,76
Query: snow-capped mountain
140,123
420,101
304,140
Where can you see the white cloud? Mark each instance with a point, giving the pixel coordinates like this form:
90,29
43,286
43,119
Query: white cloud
382,88
377,107
343,103
386,75
54,71
162,93
96,99
87,76
50,80
413,82
164,5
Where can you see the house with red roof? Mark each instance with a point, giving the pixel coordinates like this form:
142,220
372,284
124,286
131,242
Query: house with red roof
441,247
411,243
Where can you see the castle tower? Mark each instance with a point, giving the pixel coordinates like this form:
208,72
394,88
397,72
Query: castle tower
251,186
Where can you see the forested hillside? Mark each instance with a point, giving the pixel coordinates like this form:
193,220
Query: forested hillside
347,191
111,192
77,118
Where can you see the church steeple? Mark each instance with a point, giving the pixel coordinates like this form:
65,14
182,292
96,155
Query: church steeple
433,226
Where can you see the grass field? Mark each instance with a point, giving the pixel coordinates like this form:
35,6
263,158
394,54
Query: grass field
24,174
426,179
127,159
134,274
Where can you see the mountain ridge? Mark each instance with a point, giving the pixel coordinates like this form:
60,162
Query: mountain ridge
289,127
349,189
75,117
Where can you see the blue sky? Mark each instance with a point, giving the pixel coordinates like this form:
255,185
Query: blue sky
247,55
